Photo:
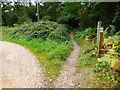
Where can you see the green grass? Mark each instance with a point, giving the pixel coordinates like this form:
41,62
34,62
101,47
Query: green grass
49,53
88,53
87,56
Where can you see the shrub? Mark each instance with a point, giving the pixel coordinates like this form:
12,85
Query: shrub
42,29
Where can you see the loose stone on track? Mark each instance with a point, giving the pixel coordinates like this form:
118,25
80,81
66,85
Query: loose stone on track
20,68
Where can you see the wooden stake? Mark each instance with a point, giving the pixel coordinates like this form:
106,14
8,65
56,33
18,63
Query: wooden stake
100,41
98,31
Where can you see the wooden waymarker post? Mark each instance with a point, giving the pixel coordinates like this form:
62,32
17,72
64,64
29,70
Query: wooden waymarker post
100,40
98,31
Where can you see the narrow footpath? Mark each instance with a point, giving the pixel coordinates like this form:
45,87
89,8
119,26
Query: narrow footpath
68,77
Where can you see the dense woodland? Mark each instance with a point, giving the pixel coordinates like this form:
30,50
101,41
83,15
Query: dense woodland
49,37
70,13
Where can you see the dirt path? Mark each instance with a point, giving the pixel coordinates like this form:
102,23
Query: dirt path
68,77
20,68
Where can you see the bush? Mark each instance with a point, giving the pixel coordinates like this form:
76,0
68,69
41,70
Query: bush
42,29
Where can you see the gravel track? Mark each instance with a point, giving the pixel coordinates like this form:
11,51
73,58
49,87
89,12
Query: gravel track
20,68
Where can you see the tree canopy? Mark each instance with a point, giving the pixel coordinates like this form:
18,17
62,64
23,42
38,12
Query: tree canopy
74,14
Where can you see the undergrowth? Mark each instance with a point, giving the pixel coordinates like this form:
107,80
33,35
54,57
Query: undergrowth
107,65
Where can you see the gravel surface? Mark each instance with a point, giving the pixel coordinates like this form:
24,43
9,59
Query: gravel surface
20,68
68,77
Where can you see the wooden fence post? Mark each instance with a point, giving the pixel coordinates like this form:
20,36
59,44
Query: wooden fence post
98,31
100,40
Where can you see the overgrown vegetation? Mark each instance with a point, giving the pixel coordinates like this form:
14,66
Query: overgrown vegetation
108,64
47,40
